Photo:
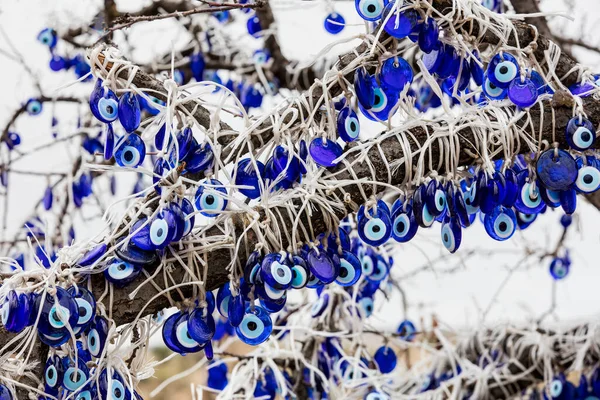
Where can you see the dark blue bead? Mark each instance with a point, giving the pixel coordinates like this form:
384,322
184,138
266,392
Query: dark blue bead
201,325
48,37
449,63
197,65
130,114
56,312
86,307
429,36
435,198
322,266
568,201
503,69
256,326
407,330
320,305
588,178
133,254
492,91
15,311
276,271
400,24
223,296
559,269
529,200
210,198
420,210
433,59
375,229
300,272
104,104
386,359
350,269
550,197
451,234
580,133
523,93
325,152
253,26
200,159
334,23
109,141
130,151
121,272
476,70
363,87
396,73
511,188
556,169
500,223
235,311
384,101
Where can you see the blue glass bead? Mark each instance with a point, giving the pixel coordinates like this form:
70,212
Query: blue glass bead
566,221
407,330
511,188
133,254
404,224
320,305
130,114
529,200
86,307
249,175
260,57
493,5
109,141
53,375
334,23
396,73
561,389
121,272
582,89
568,201
435,198
476,71
185,143
556,169
449,63
386,359
33,107
75,375
55,339
588,179
456,205
104,103
451,234
492,91
256,327
524,219
421,212
539,82
559,269
376,228
253,26
57,63
217,376
350,269
201,327
550,197
16,310
580,133
114,389
325,153
188,211
252,268
384,101
379,271
523,93
92,255
401,23
221,16
322,266
363,87
130,151
210,198
300,272
56,312
162,229
348,127
502,70
180,335
197,65
370,10
501,223
235,311
223,296
251,97
429,36
172,212
47,37
159,138
273,305
433,59
276,271
342,236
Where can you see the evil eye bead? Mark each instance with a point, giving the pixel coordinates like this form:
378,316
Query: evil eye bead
334,23
404,224
559,269
210,198
556,169
121,272
300,272
86,306
75,376
386,359
320,305
451,234
130,151
380,269
370,10
363,86
367,265
96,337
115,388
252,267
365,307
550,197
350,269
180,335
57,312
376,228
556,388
347,125
33,107
503,69
492,91
420,209
53,375
188,210
501,223
525,219
255,327
407,330
588,179
159,231
276,271
435,198
47,37
168,331
235,310
384,101
104,104
580,133
201,327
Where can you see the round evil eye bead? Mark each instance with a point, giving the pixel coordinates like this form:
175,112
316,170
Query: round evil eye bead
133,254
104,104
161,229
365,307
529,200
47,37
325,152
435,198
180,335
223,296
167,334
57,312
348,126
559,268
201,327
350,269
556,169
130,151
523,93
580,133
407,330
320,305
33,106
501,223
363,87
370,10
420,209
588,179
121,272
396,73
255,327
492,91
300,272
550,197
75,375
404,224
53,375
97,336
114,388
476,70
384,101
210,198
130,114
334,23
380,269
249,175
503,69
322,266
376,228
524,219
386,359
252,268
86,306
276,271
92,255
451,234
